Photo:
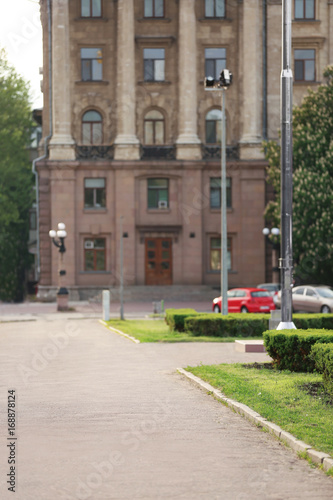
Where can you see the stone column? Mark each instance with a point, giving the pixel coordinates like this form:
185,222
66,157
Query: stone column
126,143
188,144
61,144
330,27
251,109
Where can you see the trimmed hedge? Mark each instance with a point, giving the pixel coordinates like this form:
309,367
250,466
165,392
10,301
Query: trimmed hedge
175,318
322,355
314,321
290,349
232,325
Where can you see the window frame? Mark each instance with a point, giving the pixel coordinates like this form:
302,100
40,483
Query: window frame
95,252
217,127
215,16
153,63
217,189
91,123
84,60
95,195
154,121
304,18
218,250
153,16
303,61
91,16
158,189
208,60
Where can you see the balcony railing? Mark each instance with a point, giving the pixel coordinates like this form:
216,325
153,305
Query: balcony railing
158,153
94,152
214,152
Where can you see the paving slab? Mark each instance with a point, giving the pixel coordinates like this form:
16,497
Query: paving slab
102,418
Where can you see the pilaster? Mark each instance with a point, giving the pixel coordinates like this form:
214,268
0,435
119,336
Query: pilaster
250,143
127,146
61,144
188,143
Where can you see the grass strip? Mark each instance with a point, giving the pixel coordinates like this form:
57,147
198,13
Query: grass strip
156,330
294,401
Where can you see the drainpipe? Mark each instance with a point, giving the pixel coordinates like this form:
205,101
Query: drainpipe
47,139
264,69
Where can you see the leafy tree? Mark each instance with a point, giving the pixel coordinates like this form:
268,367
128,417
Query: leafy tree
312,184
15,181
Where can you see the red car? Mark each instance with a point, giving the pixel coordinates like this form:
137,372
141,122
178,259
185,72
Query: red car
253,300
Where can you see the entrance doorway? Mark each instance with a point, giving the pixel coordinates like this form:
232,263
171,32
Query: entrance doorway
158,261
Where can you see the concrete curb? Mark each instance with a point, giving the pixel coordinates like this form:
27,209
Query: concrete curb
119,332
319,458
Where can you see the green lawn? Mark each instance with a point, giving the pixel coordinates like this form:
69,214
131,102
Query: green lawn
156,330
281,397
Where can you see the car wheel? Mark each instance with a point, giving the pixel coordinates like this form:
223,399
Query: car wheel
216,309
325,310
244,309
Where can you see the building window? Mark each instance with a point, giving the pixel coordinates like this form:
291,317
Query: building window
154,127
215,254
305,65
158,193
32,220
94,254
304,9
94,193
213,126
92,128
215,61
91,64
91,8
215,192
214,8
154,8
154,64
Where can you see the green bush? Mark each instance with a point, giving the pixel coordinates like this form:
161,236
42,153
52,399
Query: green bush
322,355
232,325
314,321
290,349
175,318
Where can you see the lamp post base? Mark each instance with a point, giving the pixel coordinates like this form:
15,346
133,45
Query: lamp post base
286,325
62,299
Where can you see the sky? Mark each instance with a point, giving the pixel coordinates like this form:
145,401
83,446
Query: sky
21,36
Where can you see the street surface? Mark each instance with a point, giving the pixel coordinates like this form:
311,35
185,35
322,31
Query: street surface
99,417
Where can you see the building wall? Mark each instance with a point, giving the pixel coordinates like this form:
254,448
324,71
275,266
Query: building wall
123,97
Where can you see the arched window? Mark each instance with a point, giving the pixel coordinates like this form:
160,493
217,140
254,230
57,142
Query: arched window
92,128
154,127
213,126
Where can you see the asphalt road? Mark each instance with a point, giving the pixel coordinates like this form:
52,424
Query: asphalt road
99,417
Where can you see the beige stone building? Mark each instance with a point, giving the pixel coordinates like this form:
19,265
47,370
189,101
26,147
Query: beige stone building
129,131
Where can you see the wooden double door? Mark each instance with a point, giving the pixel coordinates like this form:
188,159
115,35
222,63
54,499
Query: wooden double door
158,261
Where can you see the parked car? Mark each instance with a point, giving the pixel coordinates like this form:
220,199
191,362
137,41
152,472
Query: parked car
272,288
311,298
246,300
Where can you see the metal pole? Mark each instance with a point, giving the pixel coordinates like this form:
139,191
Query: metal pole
121,270
224,260
286,261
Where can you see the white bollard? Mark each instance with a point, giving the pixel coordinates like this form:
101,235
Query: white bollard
106,305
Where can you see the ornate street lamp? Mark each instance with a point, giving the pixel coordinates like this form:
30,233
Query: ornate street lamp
58,239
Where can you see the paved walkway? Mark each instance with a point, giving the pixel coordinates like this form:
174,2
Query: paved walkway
102,418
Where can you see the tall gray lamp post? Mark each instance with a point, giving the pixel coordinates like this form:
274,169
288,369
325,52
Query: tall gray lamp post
222,83
286,260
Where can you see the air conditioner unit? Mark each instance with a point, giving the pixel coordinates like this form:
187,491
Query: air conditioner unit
162,204
88,244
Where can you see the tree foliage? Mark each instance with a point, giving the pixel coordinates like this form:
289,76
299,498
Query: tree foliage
15,181
312,184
